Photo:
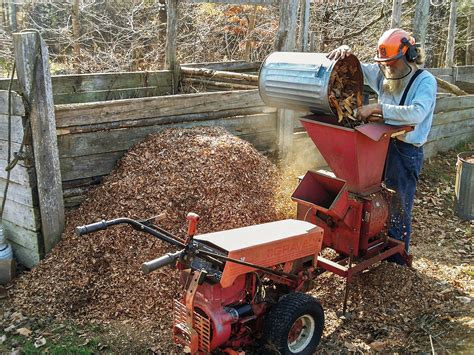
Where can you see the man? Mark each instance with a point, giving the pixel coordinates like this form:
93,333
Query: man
406,96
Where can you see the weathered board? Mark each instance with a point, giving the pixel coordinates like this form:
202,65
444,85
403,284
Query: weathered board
455,103
105,86
17,107
131,109
32,59
16,128
438,145
22,215
81,144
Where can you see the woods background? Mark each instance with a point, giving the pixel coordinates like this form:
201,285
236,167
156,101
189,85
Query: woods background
86,36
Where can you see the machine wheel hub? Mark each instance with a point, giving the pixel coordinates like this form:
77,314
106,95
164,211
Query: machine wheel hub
301,333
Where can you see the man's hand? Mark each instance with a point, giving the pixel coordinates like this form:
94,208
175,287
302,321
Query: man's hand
370,113
341,52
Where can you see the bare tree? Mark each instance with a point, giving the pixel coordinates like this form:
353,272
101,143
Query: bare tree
451,35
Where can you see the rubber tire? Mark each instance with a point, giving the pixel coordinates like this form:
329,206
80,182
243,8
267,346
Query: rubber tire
281,317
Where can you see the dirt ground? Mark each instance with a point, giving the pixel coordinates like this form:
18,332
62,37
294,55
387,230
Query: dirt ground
427,308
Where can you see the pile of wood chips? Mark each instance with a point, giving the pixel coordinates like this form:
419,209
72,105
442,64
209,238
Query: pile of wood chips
344,95
97,277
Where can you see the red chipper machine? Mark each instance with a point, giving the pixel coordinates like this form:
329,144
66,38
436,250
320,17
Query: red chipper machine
350,205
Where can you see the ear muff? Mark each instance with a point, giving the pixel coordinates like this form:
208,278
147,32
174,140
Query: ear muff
411,53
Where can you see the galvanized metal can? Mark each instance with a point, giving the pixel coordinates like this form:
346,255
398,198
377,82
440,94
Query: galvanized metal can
464,188
300,81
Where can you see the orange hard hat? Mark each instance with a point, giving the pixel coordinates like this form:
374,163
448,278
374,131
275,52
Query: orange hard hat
393,45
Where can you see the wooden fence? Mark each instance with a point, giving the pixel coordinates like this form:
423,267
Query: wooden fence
93,136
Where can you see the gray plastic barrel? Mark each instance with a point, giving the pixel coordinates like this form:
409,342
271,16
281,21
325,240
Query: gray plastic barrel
300,81
464,188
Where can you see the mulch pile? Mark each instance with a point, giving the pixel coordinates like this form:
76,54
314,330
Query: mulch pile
97,277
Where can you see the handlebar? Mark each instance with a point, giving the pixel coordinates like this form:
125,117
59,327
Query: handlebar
91,228
140,226
168,259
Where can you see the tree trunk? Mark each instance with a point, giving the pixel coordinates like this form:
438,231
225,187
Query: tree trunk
451,35
470,38
396,13
304,25
420,21
76,29
286,35
249,42
162,19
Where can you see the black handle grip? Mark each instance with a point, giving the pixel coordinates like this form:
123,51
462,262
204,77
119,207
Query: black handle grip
168,259
91,228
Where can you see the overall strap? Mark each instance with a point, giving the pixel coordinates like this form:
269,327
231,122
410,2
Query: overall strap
412,79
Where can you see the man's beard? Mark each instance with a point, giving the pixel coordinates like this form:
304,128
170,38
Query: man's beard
395,87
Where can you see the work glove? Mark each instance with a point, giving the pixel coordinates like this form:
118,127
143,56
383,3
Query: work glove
339,53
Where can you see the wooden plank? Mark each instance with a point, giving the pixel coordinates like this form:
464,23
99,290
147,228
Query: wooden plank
107,95
205,116
441,145
31,55
73,145
16,128
465,69
453,116
448,78
440,71
21,236
18,193
67,84
450,129
446,104
22,215
130,109
19,174
27,257
73,201
89,166
18,109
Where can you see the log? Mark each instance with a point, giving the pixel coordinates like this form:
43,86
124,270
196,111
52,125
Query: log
218,74
235,66
217,84
450,87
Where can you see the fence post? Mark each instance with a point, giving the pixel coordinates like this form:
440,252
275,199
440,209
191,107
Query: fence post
31,55
171,36
286,41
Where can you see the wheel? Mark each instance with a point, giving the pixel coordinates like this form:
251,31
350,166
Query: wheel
294,325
